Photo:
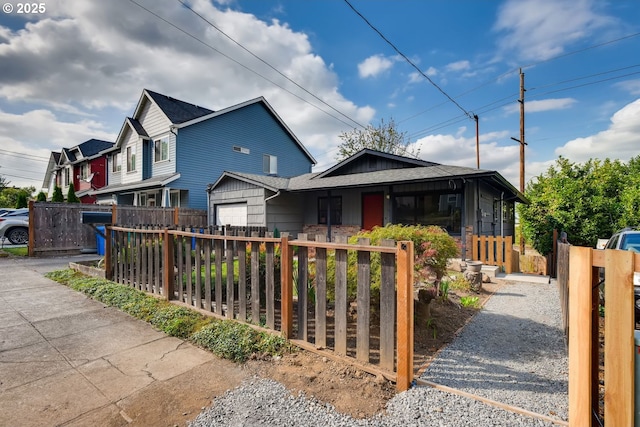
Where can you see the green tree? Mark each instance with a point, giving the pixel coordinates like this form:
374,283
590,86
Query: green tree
9,196
42,197
22,201
589,201
57,195
3,183
384,137
71,195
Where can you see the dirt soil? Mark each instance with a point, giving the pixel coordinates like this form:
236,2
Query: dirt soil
334,382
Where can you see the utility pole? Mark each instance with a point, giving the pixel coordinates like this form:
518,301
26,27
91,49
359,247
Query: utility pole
522,144
475,117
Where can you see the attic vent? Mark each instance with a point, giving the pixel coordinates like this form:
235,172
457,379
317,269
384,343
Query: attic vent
241,149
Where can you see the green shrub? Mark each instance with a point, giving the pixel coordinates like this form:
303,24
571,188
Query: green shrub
433,247
470,301
238,342
227,339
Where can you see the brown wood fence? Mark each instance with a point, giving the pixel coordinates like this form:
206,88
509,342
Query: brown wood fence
584,345
56,228
562,279
495,250
273,283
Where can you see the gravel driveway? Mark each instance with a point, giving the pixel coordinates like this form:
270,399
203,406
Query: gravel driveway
512,352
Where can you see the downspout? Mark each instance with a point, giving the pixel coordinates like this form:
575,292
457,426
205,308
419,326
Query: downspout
502,214
266,212
272,196
328,215
463,230
208,205
478,210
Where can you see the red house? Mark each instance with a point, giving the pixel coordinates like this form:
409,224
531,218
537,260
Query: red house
83,165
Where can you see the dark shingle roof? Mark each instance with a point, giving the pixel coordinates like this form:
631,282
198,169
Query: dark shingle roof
137,126
94,146
313,181
69,154
178,111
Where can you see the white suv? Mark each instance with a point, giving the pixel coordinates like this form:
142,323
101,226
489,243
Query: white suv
15,226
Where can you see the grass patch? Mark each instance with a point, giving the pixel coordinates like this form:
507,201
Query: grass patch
24,251
227,339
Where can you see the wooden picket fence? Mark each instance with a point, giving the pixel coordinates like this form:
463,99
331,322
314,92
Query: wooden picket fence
236,277
584,266
495,250
56,228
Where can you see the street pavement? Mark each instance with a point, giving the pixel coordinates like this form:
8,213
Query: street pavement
67,360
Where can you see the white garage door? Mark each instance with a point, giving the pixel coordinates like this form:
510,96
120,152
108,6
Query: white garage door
234,214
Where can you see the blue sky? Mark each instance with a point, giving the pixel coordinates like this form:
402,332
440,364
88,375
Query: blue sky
77,70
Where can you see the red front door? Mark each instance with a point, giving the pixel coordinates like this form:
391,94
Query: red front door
372,210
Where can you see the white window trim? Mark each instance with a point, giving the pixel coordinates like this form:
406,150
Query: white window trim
133,150
273,164
162,138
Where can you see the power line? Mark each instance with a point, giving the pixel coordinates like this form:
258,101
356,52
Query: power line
563,55
267,64
24,156
468,114
515,70
238,63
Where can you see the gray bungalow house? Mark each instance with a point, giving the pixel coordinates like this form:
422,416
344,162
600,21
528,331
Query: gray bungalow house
367,189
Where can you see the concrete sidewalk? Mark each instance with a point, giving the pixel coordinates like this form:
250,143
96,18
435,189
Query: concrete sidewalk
67,360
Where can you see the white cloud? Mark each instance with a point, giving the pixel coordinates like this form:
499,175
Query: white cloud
535,30
619,141
31,135
431,72
373,66
458,150
84,60
631,86
542,105
458,66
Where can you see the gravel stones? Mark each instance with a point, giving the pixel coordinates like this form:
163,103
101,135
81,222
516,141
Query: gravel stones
512,352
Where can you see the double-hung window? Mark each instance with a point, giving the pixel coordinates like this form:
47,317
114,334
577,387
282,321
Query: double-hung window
131,158
330,210
270,164
116,162
161,149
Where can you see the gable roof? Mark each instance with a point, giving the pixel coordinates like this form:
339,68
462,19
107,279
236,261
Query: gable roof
52,165
314,181
393,161
269,108
94,146
87,149
177,111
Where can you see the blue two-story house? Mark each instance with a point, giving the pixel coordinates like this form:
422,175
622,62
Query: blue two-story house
169,150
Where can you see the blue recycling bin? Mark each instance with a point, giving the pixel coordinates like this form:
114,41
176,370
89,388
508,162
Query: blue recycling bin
100,241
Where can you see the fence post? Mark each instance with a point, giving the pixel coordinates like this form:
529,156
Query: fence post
619,340
580,326
176,216
405,315
114,214
286,283
168,265
508,254
32,230
108,257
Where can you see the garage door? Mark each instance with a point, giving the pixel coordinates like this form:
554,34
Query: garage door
234,214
